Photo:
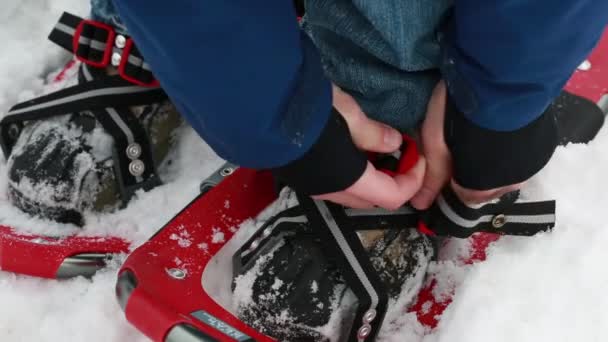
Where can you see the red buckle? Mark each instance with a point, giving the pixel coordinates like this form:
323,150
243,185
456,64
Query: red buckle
109,43
124,60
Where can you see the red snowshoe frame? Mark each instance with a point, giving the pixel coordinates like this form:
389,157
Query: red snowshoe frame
64,257
56,257
160,285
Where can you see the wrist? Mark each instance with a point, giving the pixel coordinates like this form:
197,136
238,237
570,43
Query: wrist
487,159
332,164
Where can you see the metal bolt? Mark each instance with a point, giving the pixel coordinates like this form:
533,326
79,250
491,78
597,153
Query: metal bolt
499,220
226,172
585,66
120,41
176,273
116,58
364,331
133,151
369,316
267,231
13,131
137,167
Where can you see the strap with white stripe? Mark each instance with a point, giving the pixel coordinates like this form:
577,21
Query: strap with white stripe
449,216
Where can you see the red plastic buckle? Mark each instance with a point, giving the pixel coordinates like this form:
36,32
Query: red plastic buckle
409,157
109,43
126,52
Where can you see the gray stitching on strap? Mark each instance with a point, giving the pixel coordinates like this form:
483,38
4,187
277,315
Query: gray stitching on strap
139,62
125,129
465,223
81,96
86,72
95,44
378,212
65,29
348,252
121,124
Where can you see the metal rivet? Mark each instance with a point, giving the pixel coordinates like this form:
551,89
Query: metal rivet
369,316
120,41
176,273
133,151
254,244
267,231
14,131
499,220
137,167
585,66
226,172
451,61
364,331
116,58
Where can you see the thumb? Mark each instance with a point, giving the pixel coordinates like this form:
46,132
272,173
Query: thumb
438,171
368,134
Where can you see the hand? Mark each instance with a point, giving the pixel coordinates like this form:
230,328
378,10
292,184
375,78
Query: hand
374,188
439,163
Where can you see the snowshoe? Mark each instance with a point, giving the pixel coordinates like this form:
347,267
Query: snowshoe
376,268
86,147
169,287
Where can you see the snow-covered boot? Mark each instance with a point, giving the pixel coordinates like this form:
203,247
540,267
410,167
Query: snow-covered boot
288,284
93,144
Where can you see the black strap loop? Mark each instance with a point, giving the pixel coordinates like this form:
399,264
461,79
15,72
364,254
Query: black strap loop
505,216
98,45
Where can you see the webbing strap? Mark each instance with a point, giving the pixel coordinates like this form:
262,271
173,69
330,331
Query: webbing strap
505,216
109,91
98,45
108,98
354,264
337,229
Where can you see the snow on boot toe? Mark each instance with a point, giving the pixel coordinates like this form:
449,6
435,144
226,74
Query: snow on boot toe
298,294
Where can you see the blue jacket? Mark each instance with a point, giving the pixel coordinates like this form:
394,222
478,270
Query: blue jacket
251,84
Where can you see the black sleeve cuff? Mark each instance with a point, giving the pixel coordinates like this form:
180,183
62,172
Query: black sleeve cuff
485,159
332,164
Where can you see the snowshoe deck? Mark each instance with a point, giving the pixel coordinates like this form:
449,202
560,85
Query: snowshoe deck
160,286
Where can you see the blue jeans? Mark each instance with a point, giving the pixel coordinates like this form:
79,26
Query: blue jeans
103,10
385,53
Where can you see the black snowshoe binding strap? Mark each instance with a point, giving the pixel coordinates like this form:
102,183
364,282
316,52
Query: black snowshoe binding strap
106,97
451,217
99,45
337,229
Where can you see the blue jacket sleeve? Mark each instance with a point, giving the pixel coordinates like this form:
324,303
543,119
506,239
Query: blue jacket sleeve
240,72
506,60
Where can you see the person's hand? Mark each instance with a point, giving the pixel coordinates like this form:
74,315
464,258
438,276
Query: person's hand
439,163
374,188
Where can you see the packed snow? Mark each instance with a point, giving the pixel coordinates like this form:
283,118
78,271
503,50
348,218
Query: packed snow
550,287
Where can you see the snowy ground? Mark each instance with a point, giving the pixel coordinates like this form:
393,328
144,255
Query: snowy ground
547,288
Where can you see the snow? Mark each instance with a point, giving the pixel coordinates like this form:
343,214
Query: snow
551,287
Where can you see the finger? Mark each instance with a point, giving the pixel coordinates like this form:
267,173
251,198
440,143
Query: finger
435,151
388,192
345,199
368,134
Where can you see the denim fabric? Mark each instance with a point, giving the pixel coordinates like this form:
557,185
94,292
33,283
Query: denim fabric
383,52
104,11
